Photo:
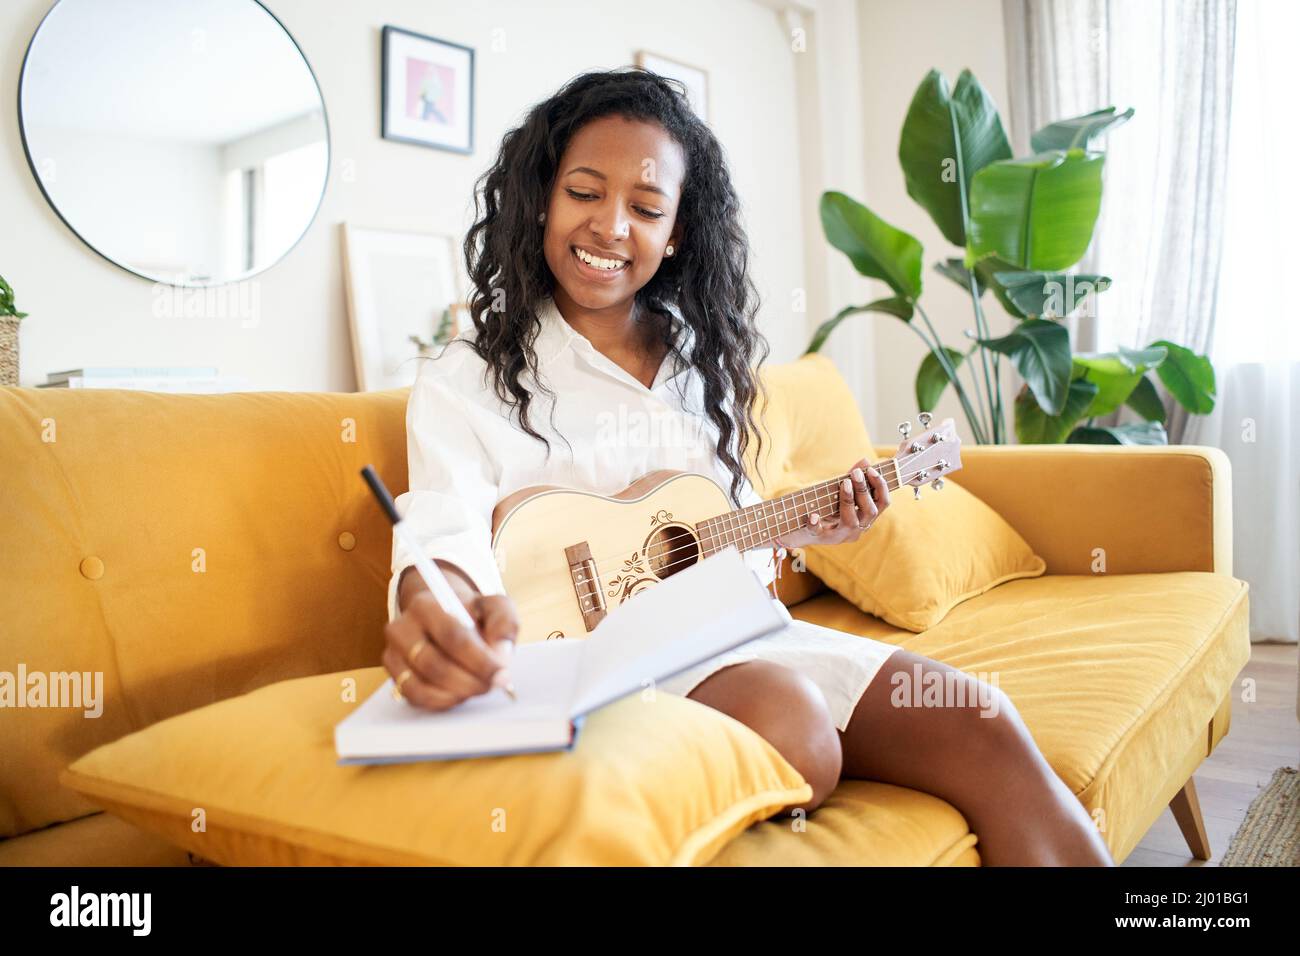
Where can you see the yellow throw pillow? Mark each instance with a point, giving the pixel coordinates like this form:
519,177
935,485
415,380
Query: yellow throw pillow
254,780
923,558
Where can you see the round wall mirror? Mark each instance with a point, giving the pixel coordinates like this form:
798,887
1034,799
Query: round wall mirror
183,140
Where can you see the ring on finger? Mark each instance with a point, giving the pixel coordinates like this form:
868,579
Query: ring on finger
402,678
415,651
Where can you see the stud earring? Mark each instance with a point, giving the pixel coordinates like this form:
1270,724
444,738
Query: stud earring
541,217
669,250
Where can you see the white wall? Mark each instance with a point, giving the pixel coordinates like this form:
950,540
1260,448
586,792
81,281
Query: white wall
85,311
793,124
900,43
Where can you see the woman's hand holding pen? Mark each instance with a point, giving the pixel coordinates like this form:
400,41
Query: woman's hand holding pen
449,663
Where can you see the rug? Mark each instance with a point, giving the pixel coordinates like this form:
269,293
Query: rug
1270,834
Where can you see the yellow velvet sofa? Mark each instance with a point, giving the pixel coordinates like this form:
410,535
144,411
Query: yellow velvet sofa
111,497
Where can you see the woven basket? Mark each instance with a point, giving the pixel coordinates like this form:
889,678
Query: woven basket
8,350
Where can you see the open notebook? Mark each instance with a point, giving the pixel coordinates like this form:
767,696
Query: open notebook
716,605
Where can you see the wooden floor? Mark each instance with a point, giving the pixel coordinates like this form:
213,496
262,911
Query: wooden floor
1264,735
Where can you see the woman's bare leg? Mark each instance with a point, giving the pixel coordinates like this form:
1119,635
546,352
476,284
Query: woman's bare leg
988,767
786,709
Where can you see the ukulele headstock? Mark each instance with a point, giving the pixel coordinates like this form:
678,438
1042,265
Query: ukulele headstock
929,456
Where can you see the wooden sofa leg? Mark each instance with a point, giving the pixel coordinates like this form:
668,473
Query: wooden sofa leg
1187,811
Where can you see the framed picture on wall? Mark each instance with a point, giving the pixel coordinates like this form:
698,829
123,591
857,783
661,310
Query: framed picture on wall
405,298
427,91
695,80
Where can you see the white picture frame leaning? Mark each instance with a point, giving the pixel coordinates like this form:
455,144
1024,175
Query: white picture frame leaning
693,78
398,285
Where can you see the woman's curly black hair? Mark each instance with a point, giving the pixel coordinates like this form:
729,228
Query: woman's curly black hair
707,281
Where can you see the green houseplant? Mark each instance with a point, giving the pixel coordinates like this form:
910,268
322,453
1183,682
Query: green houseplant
443,334
1022,223
9,318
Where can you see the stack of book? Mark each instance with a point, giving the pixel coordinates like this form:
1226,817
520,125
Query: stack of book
160,379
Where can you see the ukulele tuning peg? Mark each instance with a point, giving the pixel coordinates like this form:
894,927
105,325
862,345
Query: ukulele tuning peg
924,419
905,429
937,484
916,492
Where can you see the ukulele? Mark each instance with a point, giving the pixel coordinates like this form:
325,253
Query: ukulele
566,557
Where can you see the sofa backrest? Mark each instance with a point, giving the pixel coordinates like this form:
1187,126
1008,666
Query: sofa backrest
185,549
190,548
813,420
812,431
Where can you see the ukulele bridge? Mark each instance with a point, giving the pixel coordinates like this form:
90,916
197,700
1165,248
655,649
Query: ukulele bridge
586,584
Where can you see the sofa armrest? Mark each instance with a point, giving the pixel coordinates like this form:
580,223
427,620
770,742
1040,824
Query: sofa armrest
1149,508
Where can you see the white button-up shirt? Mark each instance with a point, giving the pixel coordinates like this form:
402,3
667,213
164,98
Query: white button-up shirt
466,452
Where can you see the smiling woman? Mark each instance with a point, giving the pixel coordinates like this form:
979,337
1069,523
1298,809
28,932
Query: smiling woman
610,225
639,190
607,159
608,245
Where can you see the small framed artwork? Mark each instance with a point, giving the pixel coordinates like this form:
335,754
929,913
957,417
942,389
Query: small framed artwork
405,297
427,91
695,80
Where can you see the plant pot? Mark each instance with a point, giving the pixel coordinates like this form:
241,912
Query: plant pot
8,350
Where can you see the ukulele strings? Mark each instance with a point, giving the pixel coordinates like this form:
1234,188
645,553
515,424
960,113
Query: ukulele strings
817,501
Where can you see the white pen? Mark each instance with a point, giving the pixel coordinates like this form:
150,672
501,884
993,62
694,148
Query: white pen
432,574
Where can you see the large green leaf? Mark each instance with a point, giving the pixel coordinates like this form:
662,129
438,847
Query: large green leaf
1116,375
875,248
1145,400
1050,294
1142,433
983,271
987,269
1141,360
955,270
1041,351
1189,378
1075,133
1036,427
899,308
931,379
1021,292
1037,213
947,138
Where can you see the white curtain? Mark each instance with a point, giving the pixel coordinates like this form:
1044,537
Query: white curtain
1198,193
1257,422
1256,346
1158,237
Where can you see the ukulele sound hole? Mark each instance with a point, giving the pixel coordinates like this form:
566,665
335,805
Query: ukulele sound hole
670,549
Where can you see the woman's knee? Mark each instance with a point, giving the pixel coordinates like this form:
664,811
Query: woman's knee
789,711
957,715
991,725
